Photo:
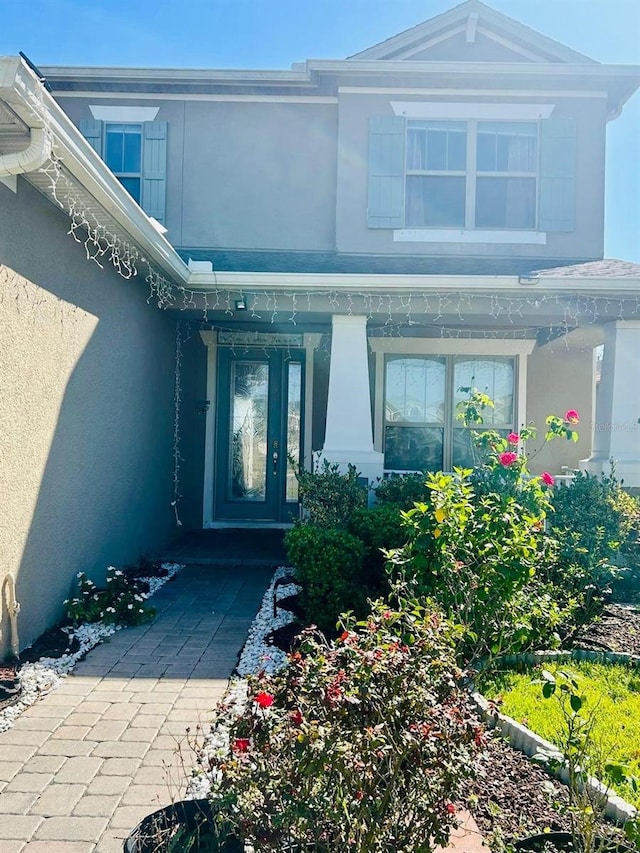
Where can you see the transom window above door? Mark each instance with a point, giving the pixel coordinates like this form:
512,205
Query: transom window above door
421,432
471,174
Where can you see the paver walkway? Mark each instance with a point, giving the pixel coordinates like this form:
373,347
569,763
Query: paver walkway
81,767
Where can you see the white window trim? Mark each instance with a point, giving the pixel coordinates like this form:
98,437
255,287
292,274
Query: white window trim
466,111
471,235
122,114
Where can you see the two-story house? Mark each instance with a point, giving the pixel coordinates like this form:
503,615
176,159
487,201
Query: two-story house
336,250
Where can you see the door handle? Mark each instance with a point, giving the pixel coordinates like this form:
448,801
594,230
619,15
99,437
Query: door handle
274,459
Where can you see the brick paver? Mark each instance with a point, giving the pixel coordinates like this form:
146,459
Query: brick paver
81,767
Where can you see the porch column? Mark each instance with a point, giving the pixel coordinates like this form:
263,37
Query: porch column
349,431
616,431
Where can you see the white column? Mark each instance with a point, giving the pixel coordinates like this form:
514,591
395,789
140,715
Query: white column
349,432
616,431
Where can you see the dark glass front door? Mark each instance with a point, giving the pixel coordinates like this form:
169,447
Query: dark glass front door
259,425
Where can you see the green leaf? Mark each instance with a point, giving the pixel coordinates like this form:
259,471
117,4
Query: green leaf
548,690
576,703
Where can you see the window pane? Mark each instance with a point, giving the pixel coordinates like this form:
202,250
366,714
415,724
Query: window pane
463,455
132,152
416,149
249,398
457,151
415,390
492,376
506,202
132,186
413,448
436,150
486,152
114,151
507,147
435,201
294,424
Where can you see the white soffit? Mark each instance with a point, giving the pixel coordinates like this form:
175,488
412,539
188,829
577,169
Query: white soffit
123,114
510,112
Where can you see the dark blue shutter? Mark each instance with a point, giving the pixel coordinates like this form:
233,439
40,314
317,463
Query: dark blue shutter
154,169
386,172
92,130
558,151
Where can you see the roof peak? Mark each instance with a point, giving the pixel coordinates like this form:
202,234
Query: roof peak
473,17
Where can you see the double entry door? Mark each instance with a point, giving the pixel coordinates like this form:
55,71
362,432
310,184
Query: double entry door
259,425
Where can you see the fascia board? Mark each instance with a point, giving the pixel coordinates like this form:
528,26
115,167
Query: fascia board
309,282
172,75
84,164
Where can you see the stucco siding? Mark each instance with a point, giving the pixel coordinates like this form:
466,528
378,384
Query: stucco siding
86,413
560,378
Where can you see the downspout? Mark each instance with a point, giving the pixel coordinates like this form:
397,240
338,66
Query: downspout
13,608
31,158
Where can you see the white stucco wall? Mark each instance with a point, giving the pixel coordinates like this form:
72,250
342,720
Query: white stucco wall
86,409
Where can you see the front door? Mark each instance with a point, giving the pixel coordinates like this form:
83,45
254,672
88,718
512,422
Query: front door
260,398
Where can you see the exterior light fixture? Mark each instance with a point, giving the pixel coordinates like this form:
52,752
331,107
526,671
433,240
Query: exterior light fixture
241,305
528,279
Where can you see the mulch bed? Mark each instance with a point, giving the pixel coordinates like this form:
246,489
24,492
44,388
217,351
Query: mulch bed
512,797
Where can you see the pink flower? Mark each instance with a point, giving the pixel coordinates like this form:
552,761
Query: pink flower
513,438
451,809
572,416
507,458
547,478
264,700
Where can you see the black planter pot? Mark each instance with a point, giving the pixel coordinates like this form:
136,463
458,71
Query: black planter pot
561,841
180,827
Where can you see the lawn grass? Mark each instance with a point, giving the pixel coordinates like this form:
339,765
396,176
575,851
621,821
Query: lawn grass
612,696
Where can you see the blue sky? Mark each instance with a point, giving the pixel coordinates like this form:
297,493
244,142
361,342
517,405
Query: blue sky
275,33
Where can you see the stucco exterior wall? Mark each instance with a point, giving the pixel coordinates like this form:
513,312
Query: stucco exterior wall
561,378
86,414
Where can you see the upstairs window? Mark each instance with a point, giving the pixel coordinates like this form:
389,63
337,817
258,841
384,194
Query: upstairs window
471,174
436,174
506,175
123,155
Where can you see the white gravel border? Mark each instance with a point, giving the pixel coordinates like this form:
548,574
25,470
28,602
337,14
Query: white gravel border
257,655
38,679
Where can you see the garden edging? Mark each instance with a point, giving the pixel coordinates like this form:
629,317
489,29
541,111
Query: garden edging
524,740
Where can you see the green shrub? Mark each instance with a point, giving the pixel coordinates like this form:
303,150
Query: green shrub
590,518
328,565
379,529
328,497
403,489
474,554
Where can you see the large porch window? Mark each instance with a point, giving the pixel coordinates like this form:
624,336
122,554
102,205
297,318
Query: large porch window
421,432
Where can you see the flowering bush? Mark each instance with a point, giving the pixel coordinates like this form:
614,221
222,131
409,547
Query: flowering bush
122,602
357,745
476,547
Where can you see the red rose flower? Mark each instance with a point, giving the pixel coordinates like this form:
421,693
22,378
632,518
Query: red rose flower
507,458
264,700
572,416
296,717
547,478
451,809
241,744
513,438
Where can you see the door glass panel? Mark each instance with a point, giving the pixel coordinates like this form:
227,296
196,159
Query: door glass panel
294,424
249,399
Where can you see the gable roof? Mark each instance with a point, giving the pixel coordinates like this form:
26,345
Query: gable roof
470,17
